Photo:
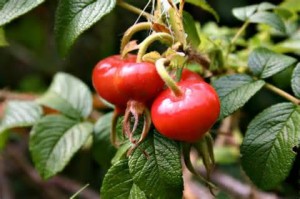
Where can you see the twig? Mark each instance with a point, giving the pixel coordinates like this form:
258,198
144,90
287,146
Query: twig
192,189
230,185
71,186
20,162
5,190
234,187
282,93
135,9
50,188
6,95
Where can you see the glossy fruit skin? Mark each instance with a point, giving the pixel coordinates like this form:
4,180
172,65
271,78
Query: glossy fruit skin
119,80
103,79
190,75
189,116
139,81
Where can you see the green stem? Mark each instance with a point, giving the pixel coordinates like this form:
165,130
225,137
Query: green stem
149,40
236,36
161,70
132,30
79,191
282,93
135,9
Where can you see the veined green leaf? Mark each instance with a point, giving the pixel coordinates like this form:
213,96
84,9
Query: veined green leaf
103,150
118,183
265,63
244,13
296,80
269,18
54,140
73,17
159,175
11,9
20,114
234,91
68,95
267,149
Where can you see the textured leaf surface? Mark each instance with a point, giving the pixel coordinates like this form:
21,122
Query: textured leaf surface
73,17
68,95
54,140
269,18
244,13
20,114
265,63
267,154
234,91
118,183
159,175
103,150
296,80
11,9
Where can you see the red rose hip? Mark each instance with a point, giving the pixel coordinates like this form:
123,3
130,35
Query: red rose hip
189,116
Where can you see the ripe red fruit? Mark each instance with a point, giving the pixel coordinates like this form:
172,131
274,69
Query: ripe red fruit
189,116
189,75
120,80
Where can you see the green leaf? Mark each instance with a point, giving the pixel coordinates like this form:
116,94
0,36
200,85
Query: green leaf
292,5
73,17
11,9
244,13
136,193
296,80
258,14
265,63
3,41
160,174
68,95
103,150
190,30
118,183
20,114
54,140
122,152
269,18
267,155
205,6
234,91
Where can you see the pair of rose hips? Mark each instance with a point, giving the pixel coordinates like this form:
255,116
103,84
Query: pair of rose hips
185,117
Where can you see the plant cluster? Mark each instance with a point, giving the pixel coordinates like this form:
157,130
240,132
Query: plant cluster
171,100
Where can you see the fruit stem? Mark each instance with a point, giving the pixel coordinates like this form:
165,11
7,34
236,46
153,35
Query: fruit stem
186,149
161,70
135,9
161,36
113,133
282,93
236,36
131,31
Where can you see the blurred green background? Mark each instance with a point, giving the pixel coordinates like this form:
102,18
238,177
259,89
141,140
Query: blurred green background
31,59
